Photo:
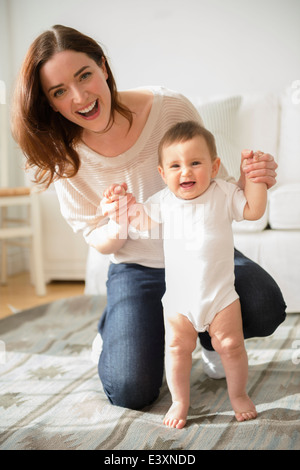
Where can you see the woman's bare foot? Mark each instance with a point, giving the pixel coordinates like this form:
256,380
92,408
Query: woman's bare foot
176,416
246,404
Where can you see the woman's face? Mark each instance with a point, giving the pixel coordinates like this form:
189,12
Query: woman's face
76,87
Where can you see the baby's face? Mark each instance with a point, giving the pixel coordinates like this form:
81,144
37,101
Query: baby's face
188,168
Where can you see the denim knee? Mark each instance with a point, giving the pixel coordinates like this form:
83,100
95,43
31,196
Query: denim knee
271,312
262,303
132,329
131,392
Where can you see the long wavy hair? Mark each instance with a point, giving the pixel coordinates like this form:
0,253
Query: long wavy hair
47,139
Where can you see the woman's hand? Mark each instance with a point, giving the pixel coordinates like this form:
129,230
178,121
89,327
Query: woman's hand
260,167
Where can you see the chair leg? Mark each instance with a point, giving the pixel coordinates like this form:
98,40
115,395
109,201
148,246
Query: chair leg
3,262
38,265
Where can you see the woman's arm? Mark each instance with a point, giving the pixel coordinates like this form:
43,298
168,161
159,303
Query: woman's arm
115,204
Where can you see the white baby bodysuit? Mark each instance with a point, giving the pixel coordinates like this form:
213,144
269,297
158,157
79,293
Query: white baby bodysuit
198,249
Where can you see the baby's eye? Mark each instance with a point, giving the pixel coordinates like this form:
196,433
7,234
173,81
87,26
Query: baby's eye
174,165
196,163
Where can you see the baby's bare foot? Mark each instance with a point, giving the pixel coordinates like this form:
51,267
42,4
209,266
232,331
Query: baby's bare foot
244,408
176,416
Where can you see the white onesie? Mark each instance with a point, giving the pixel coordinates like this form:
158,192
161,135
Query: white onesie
198,249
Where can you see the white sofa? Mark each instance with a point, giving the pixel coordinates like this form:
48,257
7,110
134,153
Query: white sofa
266,122
271,123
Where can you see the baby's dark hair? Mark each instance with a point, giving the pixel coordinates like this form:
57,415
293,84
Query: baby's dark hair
183,131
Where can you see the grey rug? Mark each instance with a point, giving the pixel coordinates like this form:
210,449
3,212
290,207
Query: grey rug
51,396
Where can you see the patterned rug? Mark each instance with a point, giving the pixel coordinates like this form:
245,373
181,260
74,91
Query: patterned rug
51,396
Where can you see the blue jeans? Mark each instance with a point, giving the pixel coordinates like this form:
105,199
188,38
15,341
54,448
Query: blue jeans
132,359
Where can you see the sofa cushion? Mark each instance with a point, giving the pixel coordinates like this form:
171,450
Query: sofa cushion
258,122
289,139
220,117
284,207
249,121
251,225
242,122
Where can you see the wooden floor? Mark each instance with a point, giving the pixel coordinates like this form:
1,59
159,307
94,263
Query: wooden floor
19,294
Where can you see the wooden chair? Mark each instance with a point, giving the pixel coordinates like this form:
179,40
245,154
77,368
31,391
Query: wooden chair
12,230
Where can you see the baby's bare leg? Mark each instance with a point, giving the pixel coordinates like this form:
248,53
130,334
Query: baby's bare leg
227,336
181,340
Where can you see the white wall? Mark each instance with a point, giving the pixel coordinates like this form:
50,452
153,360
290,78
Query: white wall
198,47
6,73
194,46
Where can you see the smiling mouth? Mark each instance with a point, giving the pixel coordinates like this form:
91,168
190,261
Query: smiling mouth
90,110
187,184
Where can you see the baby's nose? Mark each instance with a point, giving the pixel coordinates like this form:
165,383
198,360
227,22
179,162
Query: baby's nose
185,170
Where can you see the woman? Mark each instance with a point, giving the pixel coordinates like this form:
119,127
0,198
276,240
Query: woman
76,129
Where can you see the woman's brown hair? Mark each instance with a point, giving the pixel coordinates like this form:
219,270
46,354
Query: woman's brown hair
47,139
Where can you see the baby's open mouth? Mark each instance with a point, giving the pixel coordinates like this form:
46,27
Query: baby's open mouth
187,184
89,110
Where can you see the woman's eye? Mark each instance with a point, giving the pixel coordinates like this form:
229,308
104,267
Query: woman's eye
85,75
59,93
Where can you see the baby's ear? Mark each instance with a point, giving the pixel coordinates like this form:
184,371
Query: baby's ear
215,167
162,173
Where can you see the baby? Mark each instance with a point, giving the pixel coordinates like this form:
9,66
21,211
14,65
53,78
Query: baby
196,211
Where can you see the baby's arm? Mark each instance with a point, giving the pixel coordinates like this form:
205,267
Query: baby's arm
115,204
256,195
137,215
123,212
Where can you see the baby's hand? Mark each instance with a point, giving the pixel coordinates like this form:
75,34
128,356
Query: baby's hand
114,191
116,202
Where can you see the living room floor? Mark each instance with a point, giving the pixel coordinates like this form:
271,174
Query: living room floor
19,293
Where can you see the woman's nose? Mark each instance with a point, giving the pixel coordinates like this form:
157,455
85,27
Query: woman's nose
78,95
